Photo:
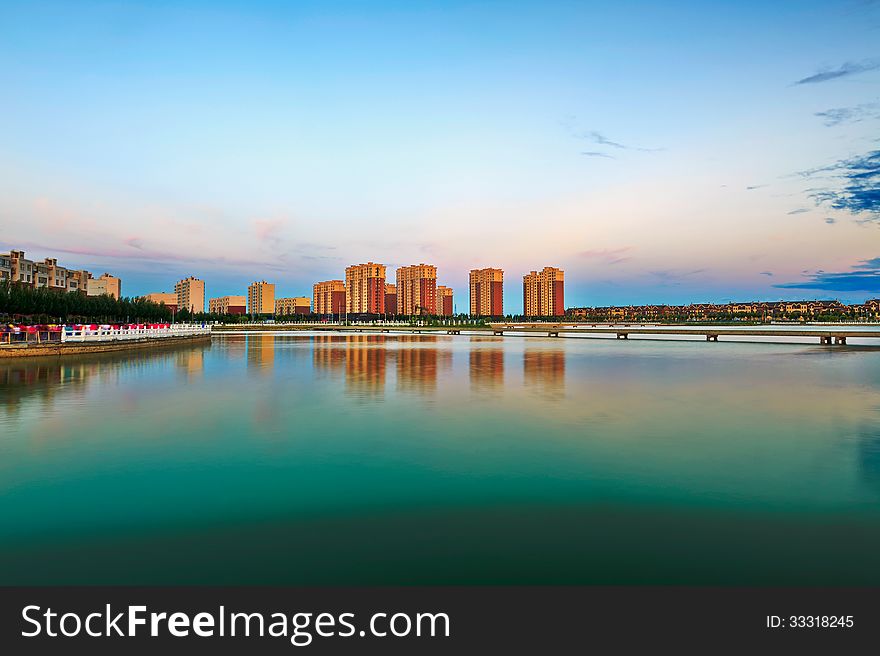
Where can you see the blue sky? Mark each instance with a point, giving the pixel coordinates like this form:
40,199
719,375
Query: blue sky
658,152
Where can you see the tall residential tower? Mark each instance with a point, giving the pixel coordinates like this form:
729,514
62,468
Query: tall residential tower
365,288
417,289
487,292
544,293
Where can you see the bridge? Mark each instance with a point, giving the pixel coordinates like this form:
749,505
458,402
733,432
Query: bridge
827,336
836,336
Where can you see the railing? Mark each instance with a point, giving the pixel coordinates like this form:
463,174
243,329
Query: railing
110,334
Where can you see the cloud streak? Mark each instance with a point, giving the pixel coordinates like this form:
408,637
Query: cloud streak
856,114
844,70
862,277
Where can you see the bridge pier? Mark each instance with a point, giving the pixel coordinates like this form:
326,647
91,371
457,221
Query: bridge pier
498,332
622,335
711,338
840,340
825,339
553,334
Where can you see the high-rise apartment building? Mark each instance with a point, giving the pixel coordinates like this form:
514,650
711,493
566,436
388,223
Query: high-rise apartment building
390,298
261,297
544,293
417,289
190,294
227,305
294,305
487,292
444,301
328,297
106,284
365,288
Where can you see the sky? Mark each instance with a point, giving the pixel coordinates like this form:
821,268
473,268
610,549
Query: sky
658,152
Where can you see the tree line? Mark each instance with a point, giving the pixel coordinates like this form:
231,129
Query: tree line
26,304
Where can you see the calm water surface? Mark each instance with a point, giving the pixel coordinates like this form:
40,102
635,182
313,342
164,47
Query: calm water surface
332,459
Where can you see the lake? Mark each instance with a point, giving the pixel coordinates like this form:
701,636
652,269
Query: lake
302,458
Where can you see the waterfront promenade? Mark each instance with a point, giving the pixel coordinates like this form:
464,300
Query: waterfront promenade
832,335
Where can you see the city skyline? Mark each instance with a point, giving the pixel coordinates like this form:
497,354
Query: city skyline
731,155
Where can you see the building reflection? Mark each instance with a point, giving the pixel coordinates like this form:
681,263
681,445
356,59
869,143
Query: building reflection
418,363
361,358
261,353
486,365
544,370
46,379
191,363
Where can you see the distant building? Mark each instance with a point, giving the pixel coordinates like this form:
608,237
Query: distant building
190,294
106,284
417,289
227,305
14,266
169,299
487,292
294,305
329,297
365,288
544,293
444,301
261,297
390,298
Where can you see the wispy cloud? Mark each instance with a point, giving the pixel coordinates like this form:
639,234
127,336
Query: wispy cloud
856,114
594,153
862,277
602,140
753,187
830,220
607,255
799,210
860,193
845,69
767,273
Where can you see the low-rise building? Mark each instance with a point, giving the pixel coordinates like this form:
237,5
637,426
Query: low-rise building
227,305
106,284
293,305
169,299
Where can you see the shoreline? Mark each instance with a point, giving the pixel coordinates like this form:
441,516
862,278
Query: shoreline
57,349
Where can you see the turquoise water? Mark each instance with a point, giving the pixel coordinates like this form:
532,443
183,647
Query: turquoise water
383,459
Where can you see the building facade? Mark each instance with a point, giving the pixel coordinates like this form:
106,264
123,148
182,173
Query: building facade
544,293
190,294
106,284
16,267
261,297
328,297
390,298
293,305
168,298
487,292
417,289
365,288
444,301
227,305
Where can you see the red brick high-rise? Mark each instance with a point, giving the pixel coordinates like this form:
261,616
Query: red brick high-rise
487,292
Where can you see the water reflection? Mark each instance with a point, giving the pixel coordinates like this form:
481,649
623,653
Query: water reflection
544,370
360,358
48,379
261,353
419,361
486,365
